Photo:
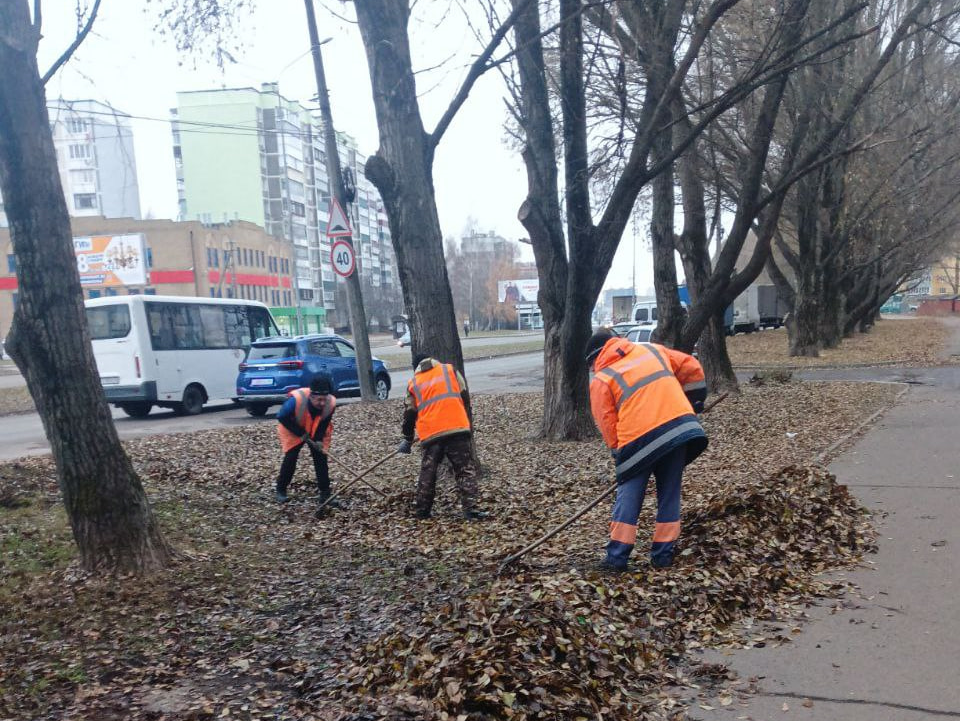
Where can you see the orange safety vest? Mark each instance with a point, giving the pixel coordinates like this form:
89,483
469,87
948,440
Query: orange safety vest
440,408
307,420
646,393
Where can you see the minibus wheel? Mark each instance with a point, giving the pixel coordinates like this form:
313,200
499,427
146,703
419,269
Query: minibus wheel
193,400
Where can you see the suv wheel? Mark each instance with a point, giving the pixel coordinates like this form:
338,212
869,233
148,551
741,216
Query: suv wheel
257,409
382,388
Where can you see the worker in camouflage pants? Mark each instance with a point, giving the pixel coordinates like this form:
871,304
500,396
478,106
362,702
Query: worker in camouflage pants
436,407
457,449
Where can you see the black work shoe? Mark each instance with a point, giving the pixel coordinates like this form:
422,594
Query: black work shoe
476,515
608,568
421,515
661,564
282,497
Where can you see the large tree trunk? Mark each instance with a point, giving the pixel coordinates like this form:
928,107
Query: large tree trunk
108,510
563,300
714,358
402,170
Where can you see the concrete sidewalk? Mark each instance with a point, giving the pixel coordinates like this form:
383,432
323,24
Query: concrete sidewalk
891,652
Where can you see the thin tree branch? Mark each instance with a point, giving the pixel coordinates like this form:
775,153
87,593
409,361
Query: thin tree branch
68,53
478,68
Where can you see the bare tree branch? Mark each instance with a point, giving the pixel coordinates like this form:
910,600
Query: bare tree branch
68,53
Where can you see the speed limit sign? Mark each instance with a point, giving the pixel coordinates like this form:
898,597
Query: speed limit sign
342,258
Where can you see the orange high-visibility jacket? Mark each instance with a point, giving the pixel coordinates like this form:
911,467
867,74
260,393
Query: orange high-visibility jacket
439,405
307,420
639,402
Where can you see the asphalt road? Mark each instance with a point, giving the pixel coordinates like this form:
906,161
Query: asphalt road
23,435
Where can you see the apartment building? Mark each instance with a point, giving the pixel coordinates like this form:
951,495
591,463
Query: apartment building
236,259
95,155
252,154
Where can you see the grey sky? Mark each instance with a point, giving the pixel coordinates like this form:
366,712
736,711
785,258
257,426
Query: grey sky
128,64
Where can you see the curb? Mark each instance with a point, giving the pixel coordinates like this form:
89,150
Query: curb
825,454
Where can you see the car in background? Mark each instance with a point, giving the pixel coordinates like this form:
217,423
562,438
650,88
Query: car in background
277,365
621,329
640,333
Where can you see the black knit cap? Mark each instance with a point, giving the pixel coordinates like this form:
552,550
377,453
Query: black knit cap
596,343
321,384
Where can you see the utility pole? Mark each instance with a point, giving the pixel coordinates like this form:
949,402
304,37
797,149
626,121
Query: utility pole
358,318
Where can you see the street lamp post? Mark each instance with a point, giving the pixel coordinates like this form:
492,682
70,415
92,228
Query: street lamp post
358,318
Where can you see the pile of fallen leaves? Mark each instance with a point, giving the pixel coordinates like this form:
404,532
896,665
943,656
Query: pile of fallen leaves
581,645
368,613
907,342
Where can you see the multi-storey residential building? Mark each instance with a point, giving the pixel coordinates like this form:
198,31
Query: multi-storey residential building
225,260
98,167
249,154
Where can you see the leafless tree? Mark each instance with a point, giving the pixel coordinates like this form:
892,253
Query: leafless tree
111,519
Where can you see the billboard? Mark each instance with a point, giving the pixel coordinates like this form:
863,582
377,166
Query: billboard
518,291
111,260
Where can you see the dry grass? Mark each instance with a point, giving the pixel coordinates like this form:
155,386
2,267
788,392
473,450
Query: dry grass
15,400
916,342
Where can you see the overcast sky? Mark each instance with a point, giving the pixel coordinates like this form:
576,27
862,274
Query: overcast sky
125,62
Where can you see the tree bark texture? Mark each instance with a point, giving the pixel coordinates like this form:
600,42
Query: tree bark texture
804,331
109,514
402,171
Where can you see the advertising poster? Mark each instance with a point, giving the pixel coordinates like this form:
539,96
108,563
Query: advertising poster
111,260
518,291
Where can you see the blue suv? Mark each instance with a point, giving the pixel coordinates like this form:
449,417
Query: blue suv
277,365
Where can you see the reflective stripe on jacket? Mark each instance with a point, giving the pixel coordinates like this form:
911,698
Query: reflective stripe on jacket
439,405
307,420
639,404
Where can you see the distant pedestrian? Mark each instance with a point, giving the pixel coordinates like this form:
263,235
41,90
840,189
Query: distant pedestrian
466,327
436,406
644,399
307,415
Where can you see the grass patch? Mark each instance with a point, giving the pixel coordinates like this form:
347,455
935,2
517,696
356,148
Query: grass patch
15,400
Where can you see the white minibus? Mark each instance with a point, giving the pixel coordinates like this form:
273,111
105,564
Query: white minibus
171,351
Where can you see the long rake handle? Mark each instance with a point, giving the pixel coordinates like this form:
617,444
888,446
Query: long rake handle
348,469
359,477
543,539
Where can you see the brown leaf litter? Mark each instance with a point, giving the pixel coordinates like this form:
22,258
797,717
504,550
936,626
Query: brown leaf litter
269,613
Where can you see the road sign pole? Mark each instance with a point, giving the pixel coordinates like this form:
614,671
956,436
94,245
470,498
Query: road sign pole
358,318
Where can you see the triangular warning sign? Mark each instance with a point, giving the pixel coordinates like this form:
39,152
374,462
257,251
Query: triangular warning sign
337,225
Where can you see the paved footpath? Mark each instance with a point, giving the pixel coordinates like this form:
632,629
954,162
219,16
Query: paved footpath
892,652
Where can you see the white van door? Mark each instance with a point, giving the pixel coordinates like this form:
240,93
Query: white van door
169,335
115,344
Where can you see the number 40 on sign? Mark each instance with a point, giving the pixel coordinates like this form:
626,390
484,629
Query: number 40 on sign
342,258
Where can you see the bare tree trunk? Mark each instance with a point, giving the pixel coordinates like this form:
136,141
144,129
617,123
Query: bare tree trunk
670,313
564,299
111,519
714,358
402,170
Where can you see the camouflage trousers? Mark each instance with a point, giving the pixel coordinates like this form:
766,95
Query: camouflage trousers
457,450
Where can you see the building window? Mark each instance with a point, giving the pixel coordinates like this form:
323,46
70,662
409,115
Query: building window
133,291
83,177
149,291
11,263
110,291
149,257
298,209
93,293
79,151
76,126
85,201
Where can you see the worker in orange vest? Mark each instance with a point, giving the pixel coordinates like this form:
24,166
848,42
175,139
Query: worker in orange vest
644,398
436,405
307,415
